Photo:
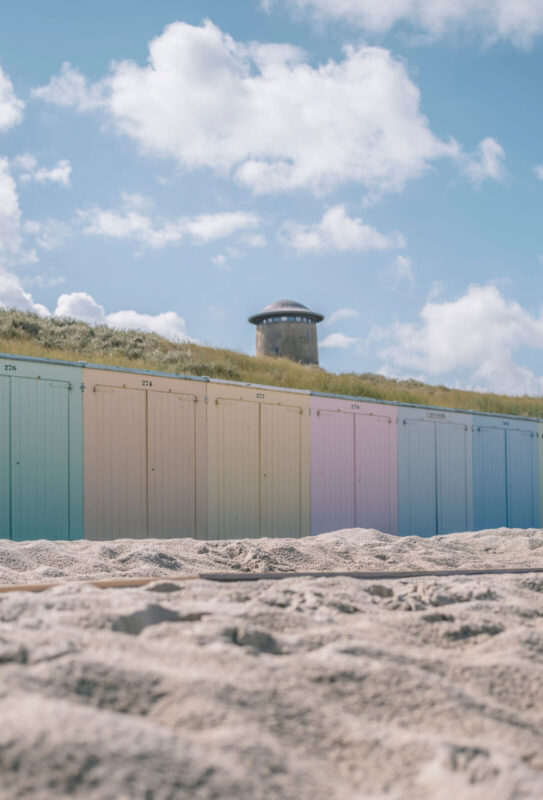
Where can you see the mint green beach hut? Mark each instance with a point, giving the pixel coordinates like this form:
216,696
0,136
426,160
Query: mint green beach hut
41,449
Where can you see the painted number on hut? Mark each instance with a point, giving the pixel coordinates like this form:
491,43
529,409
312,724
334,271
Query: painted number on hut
260,395
10,368
147,383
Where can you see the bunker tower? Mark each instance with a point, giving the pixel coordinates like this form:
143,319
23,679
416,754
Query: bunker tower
288,329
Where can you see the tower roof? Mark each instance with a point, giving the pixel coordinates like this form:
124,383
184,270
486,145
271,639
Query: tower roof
284,308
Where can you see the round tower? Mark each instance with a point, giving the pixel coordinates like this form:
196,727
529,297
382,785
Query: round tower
287,329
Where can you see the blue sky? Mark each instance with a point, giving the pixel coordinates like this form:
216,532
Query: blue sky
176,166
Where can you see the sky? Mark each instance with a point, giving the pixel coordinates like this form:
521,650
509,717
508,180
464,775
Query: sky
176,166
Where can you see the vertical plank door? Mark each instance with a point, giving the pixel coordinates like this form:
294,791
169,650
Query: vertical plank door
453,475
332,471
376,473
238,469
115,463
172,464
417,478
5,458
280,470
40,465
521,481
489,478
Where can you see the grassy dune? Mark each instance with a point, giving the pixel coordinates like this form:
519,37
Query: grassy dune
27,334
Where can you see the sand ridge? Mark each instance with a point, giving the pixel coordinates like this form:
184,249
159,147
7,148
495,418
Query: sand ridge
355,549
303,688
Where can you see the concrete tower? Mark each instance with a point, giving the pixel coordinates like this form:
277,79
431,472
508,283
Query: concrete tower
287,329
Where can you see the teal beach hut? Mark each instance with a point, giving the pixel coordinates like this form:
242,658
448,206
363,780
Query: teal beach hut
41,449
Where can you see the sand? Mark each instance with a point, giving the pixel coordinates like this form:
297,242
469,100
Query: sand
302,688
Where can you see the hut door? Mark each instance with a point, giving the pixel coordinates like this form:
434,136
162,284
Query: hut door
171,464
238,469
116,464
332,471
5,466
417,478
490,478
452,476
40,505
280,470
520,479
375,486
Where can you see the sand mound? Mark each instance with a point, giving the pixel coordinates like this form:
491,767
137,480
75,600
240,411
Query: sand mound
356,549
331,688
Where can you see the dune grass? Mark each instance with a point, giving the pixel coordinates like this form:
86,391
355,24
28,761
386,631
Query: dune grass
27,334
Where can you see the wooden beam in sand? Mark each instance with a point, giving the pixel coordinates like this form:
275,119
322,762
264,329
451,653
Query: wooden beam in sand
236,577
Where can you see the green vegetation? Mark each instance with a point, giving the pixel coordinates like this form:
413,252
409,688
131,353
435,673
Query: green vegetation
27,334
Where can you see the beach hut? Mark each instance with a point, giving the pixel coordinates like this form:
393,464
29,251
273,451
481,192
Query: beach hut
505,472
41,457
354,474
435,472
258,461
144,454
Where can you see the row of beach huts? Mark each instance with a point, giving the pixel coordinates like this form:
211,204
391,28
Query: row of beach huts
96,452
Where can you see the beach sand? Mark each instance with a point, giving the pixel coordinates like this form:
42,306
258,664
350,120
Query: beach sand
425,688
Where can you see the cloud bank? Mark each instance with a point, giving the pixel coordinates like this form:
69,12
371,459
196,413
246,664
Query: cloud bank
477,334
263,114
11,107
337,232
80,305
519,21
133,225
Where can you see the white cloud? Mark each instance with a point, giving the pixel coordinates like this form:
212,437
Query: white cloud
60,174
477,335
337,232
11,240
398,272
136,201
49,234
341,313
263,113
338,340
25,161
208,227
15,232
253,240
486,162
13,295
80,305
44,280
169,324
10,214
517,20
70,88
539,171
30,170
403,268
11,107
135,226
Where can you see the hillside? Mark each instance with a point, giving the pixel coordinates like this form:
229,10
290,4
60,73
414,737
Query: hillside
50,337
